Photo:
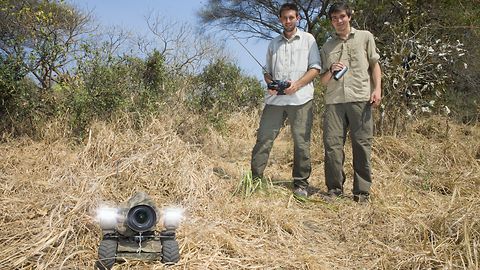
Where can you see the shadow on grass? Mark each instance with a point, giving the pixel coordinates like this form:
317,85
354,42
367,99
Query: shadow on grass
248,186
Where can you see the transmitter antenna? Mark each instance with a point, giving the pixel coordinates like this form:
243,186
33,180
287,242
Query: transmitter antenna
224,27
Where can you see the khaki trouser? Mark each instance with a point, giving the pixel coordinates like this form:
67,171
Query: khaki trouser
301,120
357,115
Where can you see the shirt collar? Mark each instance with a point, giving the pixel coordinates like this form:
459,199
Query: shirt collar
352,32
297,35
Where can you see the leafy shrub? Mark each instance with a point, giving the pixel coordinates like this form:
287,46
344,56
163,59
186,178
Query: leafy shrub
20,101
222,88
108,85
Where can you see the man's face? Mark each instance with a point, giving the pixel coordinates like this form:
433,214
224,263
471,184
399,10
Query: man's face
340,20
289,20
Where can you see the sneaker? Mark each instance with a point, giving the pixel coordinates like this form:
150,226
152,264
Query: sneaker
361,199
302,192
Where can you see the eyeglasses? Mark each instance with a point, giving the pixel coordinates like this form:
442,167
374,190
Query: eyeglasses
341,17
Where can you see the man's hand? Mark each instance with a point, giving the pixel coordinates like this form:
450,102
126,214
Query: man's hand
268,79
336,67
325,77
292,89
308,77
376,98
294,86
272,92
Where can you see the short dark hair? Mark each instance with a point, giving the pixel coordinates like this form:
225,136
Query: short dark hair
288,6
339,6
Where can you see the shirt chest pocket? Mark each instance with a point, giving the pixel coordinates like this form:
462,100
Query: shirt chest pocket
301,53
358,56
334,56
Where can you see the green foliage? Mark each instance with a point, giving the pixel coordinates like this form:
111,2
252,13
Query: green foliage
429,61
20,105
41,39
319,98
423,48
41,35
247,185
155,73
38,40
221,89
11,74
324,30
108,85
103,85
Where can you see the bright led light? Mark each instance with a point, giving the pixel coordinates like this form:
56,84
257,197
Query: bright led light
171,218
107,218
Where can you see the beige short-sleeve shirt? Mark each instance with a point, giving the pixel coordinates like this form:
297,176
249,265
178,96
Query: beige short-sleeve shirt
358,52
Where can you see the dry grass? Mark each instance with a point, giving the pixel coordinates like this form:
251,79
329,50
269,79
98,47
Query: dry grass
424,212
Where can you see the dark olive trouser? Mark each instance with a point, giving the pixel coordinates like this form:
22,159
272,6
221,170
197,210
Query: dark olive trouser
357,115
301,120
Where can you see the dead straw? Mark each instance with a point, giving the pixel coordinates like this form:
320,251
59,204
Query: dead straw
424,212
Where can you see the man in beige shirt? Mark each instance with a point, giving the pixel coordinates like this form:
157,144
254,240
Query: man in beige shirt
349,102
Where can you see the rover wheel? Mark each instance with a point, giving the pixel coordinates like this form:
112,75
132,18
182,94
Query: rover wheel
170,253
106,254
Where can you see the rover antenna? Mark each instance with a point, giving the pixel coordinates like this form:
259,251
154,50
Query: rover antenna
118,161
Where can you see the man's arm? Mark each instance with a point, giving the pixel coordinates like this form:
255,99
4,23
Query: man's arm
377,81
325,77
308,77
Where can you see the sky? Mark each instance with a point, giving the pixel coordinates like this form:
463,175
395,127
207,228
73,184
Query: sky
130,14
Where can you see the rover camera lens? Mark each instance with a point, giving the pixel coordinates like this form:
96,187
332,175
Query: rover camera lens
141,218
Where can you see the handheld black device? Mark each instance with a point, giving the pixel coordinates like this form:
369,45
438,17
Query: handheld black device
279,86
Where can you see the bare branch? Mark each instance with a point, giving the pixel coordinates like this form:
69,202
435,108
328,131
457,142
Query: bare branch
259,19
184,47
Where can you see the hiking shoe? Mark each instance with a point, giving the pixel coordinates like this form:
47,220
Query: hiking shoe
302,192
361,199
330,198
333,195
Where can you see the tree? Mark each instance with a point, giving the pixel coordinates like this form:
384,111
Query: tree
417,70
11,75
423,44
259,18
42,34
184,48
424,47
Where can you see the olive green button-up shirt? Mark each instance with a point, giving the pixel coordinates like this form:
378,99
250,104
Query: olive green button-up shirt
358,53
290,60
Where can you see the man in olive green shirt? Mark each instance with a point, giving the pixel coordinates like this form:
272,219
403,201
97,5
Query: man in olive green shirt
349,100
